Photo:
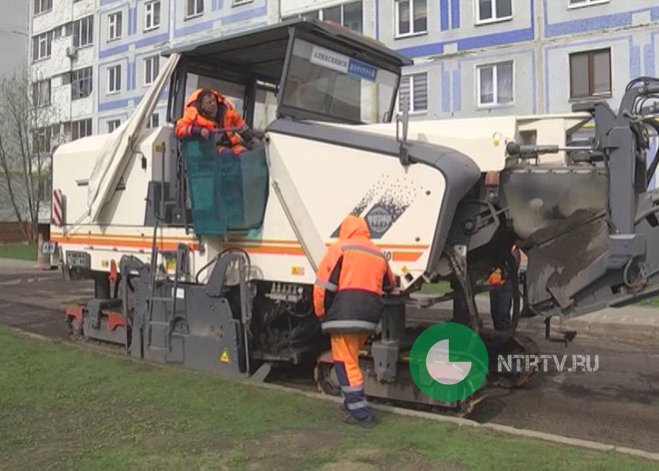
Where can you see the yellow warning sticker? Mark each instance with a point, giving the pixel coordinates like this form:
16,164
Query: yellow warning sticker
297,271
224,357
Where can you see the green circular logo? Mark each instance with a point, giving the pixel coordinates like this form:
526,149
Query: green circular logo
449,362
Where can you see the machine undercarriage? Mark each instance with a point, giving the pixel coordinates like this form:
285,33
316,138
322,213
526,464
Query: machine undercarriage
233,326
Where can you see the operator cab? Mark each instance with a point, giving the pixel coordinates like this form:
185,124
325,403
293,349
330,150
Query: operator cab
296,70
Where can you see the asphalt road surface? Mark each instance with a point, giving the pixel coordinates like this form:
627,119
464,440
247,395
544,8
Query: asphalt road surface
617,404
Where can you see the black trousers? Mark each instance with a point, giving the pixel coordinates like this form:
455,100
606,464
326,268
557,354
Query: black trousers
501,301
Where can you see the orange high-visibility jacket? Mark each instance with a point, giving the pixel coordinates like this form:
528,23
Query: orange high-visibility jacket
193,121
499,276
350,281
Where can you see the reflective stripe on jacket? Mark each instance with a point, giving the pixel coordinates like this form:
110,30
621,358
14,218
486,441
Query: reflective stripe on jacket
350,281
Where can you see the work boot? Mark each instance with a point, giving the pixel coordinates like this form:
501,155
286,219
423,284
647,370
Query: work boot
367,423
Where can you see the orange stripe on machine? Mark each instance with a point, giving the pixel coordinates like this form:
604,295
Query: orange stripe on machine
268,247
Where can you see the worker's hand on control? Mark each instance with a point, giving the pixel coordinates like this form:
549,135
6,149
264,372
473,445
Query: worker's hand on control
204,133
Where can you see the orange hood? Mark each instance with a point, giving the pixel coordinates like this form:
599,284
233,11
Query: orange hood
221,99
354,227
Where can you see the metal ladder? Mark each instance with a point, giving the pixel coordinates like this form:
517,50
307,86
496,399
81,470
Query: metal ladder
167,325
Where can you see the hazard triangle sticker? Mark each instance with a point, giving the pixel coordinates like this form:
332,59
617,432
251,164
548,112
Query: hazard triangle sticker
224,357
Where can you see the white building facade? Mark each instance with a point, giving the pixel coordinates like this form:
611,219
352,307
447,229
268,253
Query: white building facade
95,58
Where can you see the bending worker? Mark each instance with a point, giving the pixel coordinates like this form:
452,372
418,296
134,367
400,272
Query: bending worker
206,111
348,300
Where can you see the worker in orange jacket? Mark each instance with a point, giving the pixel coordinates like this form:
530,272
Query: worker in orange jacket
502,291
206,111
348,300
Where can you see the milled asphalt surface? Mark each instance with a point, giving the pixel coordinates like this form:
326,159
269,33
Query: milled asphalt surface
618,404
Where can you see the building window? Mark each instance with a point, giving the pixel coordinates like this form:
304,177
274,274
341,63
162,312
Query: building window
411,17
194,8
154,121
237,3
151,69
42,45
41,140
495,84
151,16
349,15
414,93
113,124
114,26
590,74
42,6
81,83
584,3
493,10
80,129
114,79
41,93
83,31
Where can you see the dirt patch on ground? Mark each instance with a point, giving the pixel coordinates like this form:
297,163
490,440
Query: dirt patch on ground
278,451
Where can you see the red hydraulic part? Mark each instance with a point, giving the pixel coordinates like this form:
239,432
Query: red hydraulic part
75,316
113,272
115,320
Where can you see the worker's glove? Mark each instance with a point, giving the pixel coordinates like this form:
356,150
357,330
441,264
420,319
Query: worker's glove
253,143
246,133
495,278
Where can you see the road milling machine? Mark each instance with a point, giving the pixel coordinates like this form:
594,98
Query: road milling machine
209,261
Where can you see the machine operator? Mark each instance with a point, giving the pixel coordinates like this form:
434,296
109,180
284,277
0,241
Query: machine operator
206,111
350,282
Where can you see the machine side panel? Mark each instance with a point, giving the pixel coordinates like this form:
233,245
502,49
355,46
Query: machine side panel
400,204
442,180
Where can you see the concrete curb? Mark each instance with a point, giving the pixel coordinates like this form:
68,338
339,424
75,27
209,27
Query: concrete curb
614,330
504,429
634,323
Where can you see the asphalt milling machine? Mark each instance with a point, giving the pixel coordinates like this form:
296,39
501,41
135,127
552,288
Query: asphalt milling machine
209,262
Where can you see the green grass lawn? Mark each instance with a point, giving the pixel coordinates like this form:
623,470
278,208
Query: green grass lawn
66,407
18,251
440,288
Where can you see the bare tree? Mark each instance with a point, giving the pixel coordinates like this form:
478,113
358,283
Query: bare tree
25,159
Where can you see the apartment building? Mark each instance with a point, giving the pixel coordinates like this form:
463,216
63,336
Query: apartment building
497,57
93,59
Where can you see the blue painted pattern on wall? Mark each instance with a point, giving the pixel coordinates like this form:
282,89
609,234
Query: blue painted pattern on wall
635,61
455,14
475,42
112,51
443,14
446,90
457,91
649,57
595,23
